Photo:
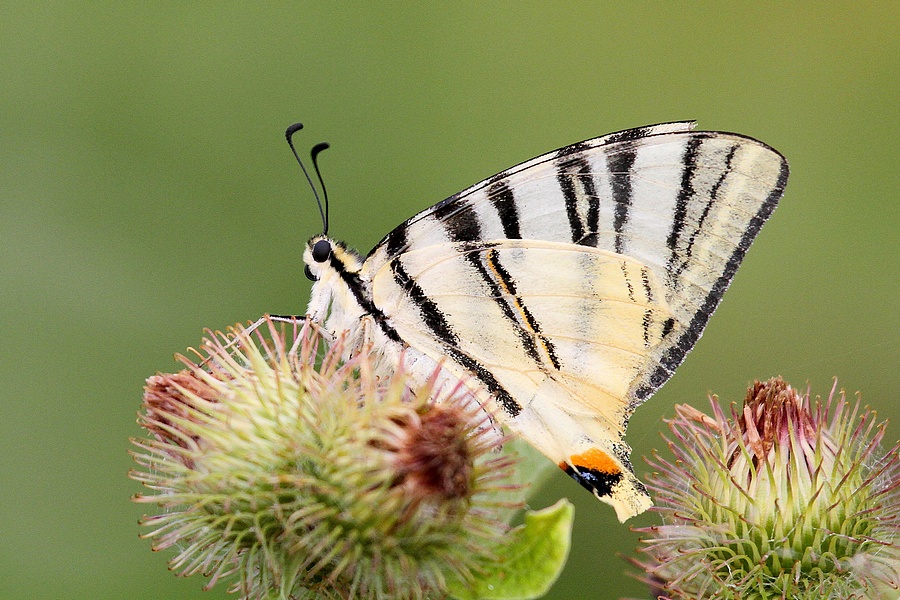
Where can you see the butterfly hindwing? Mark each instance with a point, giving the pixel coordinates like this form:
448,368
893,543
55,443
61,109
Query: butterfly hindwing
562,330
553,308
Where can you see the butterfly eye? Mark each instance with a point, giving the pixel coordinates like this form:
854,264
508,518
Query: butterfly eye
308,273
321,251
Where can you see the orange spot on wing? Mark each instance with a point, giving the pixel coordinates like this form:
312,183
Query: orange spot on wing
596,460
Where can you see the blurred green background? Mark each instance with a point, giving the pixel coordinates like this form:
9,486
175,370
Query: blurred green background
146,192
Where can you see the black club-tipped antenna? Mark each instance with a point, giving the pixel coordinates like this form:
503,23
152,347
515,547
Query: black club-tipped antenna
323,210
314,155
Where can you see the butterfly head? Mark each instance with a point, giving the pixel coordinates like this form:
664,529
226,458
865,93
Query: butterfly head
326,258
334,270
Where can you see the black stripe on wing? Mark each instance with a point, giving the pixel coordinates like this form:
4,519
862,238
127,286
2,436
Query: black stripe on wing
503,201
674,356
572,174
531,328
392,241
620,164
463,225
673,271
686,193
435,320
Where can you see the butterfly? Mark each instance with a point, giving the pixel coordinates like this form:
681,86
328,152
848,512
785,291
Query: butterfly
563,291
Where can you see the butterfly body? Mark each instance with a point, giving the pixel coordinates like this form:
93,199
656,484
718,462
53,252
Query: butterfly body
565,290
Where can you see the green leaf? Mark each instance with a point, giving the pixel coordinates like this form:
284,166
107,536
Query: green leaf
531,558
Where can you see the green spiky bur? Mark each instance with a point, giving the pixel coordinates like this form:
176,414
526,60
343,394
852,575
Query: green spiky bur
300,477
783,500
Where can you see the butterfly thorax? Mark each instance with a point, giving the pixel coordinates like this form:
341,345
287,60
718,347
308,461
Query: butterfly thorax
329,264
341,296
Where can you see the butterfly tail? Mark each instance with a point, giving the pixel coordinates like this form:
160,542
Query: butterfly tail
587,446
613,482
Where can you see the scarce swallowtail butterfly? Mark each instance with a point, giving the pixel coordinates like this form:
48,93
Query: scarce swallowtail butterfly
563,291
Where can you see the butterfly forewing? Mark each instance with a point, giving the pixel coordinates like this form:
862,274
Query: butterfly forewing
685,204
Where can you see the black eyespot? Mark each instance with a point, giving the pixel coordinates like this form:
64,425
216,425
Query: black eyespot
308,273
321,251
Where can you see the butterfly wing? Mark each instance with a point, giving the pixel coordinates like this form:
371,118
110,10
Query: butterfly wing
686,204
660,214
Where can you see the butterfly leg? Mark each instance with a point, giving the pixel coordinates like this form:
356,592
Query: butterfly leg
295,319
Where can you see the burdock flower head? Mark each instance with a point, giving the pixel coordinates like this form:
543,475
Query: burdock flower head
297,475
784,499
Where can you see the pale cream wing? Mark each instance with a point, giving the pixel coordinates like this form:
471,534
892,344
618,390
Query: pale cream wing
687,204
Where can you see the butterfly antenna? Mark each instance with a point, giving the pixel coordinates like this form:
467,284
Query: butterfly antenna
314,155
289,134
